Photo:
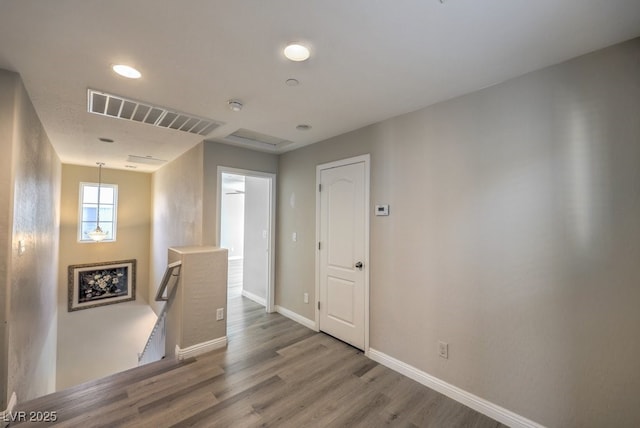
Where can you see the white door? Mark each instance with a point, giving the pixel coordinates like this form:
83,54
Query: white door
343,235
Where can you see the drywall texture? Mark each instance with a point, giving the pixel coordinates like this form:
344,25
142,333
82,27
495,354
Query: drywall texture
201,290
83,356
514,236
215,155
177,212
255,275
33,205
8,82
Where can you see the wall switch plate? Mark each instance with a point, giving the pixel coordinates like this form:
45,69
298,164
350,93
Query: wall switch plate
294,236
219,314
306,297
382,209
443,350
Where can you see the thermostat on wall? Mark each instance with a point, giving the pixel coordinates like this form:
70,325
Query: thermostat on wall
382,209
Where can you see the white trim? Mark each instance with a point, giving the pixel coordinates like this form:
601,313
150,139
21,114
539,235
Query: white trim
271,293
259,300
114,221
6,415
481,405
366,159
297,318
200,348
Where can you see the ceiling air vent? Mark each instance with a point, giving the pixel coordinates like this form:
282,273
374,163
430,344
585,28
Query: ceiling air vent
137,111
149,160
257,140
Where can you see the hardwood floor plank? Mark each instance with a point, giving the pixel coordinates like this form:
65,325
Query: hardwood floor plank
273,373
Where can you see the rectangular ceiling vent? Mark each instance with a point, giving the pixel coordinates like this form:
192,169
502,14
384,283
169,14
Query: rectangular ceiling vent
257,140
124,108
148,160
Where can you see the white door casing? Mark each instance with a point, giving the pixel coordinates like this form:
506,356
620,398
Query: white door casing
342,254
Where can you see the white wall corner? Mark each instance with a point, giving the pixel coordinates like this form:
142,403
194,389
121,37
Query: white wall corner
200,348
259,300
297,318
7,415
481,405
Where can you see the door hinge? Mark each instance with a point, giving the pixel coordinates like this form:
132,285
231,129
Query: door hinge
319,187
318,245
318,304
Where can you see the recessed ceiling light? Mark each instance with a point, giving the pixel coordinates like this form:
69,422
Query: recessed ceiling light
292,82
297,52
127,71
105,140
303,127
235,105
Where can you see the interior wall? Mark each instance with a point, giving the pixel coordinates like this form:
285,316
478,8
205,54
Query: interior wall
256,236
32,201
8,82
84,354
177,200
232,217
513,235
216,154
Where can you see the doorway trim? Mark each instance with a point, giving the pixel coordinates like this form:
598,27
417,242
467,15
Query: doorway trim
319,168
270,300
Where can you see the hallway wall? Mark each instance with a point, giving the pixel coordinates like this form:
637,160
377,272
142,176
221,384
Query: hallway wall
513,235
177,212
29,214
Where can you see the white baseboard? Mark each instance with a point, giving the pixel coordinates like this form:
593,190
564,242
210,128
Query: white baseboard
200,348
297,318
481,405
6,415
259,300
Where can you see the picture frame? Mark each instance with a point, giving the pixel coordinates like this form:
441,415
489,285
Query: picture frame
98,284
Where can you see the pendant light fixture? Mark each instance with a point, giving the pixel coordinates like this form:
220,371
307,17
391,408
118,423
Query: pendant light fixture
98,234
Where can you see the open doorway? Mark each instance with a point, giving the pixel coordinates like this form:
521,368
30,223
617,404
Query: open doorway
246,200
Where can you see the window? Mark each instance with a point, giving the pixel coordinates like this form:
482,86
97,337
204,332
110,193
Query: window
89,210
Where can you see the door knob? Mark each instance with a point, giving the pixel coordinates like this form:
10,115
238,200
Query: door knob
359,265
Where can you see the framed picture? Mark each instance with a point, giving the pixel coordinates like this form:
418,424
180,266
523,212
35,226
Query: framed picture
98,284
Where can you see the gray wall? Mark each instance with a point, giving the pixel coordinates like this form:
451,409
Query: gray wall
216,154
8,83
255,276
176,212
202,289
514,236
30,194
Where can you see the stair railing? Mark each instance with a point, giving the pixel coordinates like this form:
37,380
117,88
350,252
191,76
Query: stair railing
154,349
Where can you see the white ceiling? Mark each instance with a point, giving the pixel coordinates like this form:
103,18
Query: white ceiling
371,60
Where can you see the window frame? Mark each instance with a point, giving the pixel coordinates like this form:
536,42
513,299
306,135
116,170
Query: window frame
113,235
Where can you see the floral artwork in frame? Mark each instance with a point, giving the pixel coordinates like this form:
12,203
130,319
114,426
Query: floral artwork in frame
98,284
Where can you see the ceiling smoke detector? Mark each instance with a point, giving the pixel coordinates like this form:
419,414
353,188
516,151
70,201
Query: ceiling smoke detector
234,105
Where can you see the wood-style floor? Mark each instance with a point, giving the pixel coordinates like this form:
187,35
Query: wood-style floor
274,373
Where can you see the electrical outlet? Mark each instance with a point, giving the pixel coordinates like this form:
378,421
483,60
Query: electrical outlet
443,350
306,297
294,236
219,314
